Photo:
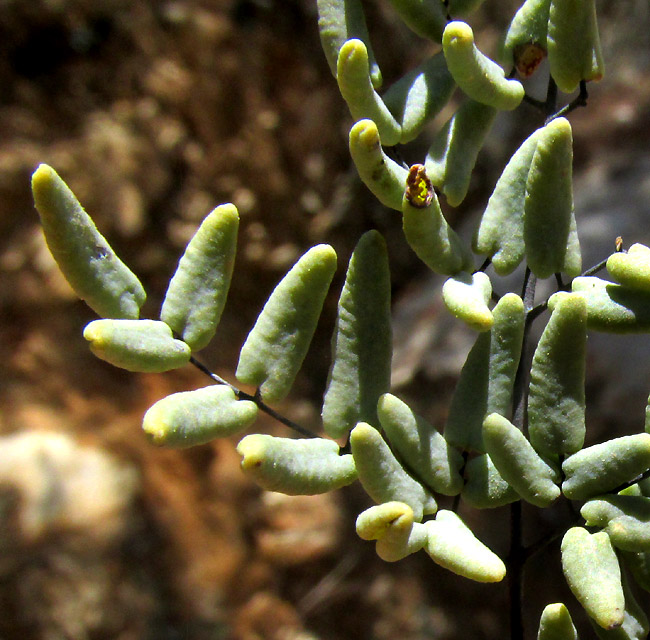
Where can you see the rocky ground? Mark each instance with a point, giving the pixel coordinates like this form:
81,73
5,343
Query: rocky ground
154,112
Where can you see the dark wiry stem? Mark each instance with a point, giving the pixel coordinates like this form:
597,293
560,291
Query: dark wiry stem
643,476
242,395
595,269
538,104
537,311
579,101
545,542
517,554
516,559
521,379
550,105
486,263
618,247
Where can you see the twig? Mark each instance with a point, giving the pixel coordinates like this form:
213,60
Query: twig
537,311
539,104
521,379
595,269
516,554
540,545
516,559
579,101
486,263
625,485
550,105
242,395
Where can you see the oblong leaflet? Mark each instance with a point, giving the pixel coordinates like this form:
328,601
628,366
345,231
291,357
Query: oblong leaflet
361,343
145,346
277,345
593,574
421,446
382,476
86,260
198,290
295,467
452,545
556,400
479,77
518,463
191,418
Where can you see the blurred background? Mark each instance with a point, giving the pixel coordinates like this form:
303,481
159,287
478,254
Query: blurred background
154,113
